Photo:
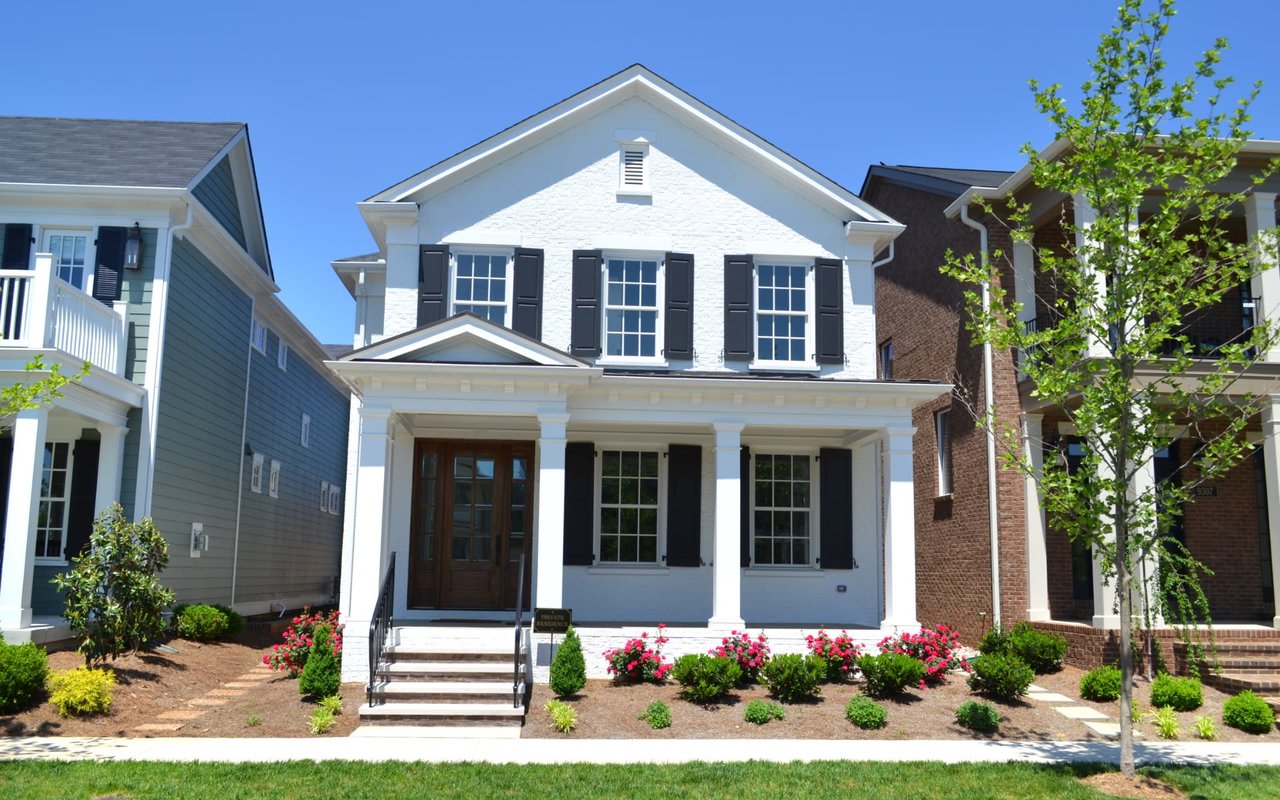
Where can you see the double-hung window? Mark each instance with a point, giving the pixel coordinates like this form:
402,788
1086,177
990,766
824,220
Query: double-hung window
942,429
55,497
782,506
482,284
632,299
629,516
784,309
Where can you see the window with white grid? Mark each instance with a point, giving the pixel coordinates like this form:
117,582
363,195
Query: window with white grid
631,302
71,256
783,332
782,500
55,495
629,507
480,284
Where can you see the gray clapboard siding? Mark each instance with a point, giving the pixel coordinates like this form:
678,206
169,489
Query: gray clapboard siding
45,597
217,192
135,289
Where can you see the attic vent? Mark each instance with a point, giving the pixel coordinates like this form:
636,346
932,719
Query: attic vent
634,174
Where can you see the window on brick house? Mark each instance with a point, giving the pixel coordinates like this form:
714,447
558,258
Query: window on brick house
886,360
942,428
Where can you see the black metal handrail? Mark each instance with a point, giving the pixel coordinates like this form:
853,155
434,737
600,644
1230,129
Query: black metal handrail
519,636
380,625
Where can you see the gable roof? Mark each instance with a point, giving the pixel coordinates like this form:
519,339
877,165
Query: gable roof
108,152
942,180
464,338
635,80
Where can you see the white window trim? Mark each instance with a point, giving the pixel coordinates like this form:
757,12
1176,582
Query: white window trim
258,336
335,499
90,249
59,560
482,250
282,355
810,301
660,551
815,506
886,364
304,438
658,359
944,463
645,188
255,474
273,482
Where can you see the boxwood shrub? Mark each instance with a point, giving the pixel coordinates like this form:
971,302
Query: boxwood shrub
793,678
705,678
889,673
1249,713
1101,685
976,716
23,671
1180,694
866,713
1002,676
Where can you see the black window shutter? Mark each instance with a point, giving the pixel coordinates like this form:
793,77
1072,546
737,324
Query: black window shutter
526,316
579,503
835,517
84,484
433,283
684,505
679,311
17,247
828,280
584,339
106,273
739,280
744,495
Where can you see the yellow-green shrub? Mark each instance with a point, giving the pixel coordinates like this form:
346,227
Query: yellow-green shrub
82,691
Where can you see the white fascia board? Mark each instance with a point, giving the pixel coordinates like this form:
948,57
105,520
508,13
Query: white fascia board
98,382
92,190
405,374
1011,184
349,272
246,272
913,393
377,213
501,339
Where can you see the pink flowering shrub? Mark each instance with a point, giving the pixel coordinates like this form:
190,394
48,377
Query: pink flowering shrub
751,654
839,652
298,640
637,662
935,648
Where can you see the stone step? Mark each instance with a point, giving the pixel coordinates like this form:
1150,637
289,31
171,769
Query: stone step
1239,681
444,691
1235,662
452,652
443,714
454,671
1242,647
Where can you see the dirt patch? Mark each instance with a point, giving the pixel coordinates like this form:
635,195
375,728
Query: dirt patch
1139,787
181,688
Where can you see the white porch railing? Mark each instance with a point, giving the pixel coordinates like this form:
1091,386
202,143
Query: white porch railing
39,310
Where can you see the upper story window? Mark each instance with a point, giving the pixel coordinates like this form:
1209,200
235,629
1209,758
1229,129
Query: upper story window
255,476
282,355
782,501
305,439
258,336
481,285
784,330
72,255
942,428
273,482
886,360
632,299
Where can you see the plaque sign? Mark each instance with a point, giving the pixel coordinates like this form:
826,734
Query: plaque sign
552,620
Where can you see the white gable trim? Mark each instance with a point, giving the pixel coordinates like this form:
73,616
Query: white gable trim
459,329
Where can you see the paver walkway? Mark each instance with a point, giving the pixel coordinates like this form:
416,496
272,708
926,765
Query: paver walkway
1093,719
197,706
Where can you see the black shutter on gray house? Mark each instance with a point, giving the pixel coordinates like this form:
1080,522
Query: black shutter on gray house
526,316
679,311
110,263
739,280
684,505
17,247
835,512
828,280
84,484
584,338
433,283
579,503
744,500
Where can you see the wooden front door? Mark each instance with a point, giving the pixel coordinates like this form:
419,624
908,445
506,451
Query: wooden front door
472,510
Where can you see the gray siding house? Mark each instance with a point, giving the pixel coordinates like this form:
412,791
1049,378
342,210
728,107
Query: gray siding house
139,248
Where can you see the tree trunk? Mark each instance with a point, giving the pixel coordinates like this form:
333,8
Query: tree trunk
1127,767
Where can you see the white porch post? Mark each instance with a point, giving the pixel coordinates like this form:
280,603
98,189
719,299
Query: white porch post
20,520
900,531
1037,553
1142,489
1105,610
548,542
1271,464
110,466
369,556
1260,216
726,572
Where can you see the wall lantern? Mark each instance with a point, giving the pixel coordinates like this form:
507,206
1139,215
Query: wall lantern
133,248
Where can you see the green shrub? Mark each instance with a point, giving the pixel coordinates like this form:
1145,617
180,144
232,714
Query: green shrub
866,713
976,716
889,673
320,721
332,704
322,675
1205,729
82,691
1166,722
1002,676
1101,685
657,714
200,623
568,668
23,671
759,712
705,678
1180,694
1249,713
253,721
563,716
1041,650
994,641
793,678
235,621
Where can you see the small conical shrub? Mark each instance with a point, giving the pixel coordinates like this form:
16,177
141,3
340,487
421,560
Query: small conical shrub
568,668
322,675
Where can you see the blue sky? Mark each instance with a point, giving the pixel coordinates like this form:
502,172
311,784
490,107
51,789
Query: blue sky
344,99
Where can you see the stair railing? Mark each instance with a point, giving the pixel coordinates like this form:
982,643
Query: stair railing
380,625
519,636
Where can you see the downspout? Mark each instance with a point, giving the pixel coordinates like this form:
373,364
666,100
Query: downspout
886,259
988,386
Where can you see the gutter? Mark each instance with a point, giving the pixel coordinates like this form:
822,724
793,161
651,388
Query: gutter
988,385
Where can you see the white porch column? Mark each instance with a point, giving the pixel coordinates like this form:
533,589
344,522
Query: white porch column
900,531
1084,215
1271,462
726,572
1037,554
1105,609
548,541
373,479
20,520
1259,217
1142,488
110,466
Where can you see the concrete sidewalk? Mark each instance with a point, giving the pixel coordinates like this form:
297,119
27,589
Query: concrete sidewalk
617,751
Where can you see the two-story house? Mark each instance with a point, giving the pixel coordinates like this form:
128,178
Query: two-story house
630,345
139,247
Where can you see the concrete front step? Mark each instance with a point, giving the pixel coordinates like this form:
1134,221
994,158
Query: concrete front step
442,714
445,691
453,652
454,672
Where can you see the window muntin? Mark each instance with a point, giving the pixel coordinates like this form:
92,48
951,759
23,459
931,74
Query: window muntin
631,303
255,477
629,495
71,256
782,499
783,331
273,483
481,285
324,497
55,495
943,432
258,336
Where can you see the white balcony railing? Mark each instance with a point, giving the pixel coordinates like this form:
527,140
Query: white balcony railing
39,310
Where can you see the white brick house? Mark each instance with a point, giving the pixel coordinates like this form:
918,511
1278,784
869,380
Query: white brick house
633,341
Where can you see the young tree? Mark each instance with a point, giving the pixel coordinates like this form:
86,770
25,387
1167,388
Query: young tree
1146,157
34,391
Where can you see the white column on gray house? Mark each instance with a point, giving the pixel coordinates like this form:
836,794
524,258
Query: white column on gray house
17,574
1271,467
899,530
1260,216
548,547
1105,614
1142,489
726,571
1037,552
373,479
110,465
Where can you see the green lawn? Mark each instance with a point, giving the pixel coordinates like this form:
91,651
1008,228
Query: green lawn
864,781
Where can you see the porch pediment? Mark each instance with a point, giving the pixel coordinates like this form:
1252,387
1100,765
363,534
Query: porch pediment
464,339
